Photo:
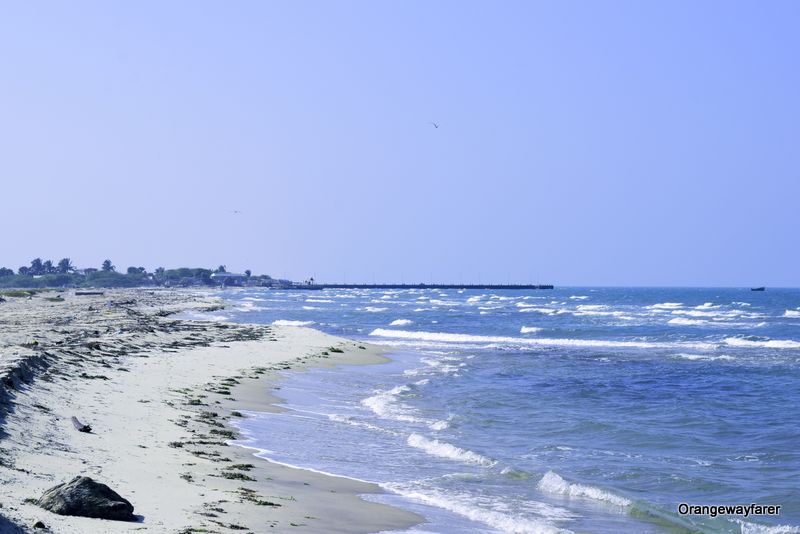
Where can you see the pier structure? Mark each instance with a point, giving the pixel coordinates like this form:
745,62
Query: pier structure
483,287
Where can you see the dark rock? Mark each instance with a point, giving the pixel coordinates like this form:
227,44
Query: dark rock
80,427
84,497
39,524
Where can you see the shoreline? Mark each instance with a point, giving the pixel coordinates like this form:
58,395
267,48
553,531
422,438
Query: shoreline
160,415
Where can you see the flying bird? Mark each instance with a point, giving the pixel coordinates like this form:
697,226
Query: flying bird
435,124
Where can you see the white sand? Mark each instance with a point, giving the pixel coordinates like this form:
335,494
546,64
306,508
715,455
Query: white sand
140,413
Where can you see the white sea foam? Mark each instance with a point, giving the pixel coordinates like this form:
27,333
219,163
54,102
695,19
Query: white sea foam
465,505
362,424
794,314
285,322
598,311
753,528
547,342
665,306
708,357
578,297
439,425
553,483
310,308
529,330
766,344
434,447
401,322
318,300
204,316
539,309
384,404
682,321
373,309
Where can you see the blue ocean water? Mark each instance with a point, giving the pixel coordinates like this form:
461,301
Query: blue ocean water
566,410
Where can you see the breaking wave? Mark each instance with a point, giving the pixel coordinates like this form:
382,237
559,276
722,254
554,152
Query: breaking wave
547,342
529,330
764,344
434,447
553,483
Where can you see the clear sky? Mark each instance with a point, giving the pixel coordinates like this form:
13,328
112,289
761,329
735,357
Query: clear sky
580,143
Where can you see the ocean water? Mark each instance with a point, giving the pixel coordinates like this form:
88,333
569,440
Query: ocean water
566,410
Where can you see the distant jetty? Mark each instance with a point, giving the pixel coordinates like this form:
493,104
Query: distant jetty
485,287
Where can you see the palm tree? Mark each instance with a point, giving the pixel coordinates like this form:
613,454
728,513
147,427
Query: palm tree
65,266
36,267
47,267
108,266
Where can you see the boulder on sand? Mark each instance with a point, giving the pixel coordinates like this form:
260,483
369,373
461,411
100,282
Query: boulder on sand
84,497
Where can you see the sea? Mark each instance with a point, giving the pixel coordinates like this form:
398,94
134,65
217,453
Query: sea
539,411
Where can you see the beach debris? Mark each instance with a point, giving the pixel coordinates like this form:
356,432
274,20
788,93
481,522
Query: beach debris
84,497
80,427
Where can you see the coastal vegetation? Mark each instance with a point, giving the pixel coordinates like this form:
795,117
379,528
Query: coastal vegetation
47,274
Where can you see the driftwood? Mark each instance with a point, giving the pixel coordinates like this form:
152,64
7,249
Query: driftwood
80,427
88,293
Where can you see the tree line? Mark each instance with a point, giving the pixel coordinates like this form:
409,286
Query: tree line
45,273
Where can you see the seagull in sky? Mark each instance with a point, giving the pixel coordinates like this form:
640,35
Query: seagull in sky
435,124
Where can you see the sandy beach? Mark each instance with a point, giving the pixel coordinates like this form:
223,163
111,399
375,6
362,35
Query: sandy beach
158,393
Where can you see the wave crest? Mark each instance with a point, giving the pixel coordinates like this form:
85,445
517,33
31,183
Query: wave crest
434,447
553,483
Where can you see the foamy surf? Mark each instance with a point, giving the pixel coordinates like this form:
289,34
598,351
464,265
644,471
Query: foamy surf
666,306
465,505
551,482
548,342
286,322
595,370
753,528
762,344
701,357
434,447
529,330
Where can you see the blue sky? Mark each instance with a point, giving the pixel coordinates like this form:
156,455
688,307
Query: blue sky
580,143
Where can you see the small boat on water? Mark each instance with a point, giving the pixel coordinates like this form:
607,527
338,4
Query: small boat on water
758,288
